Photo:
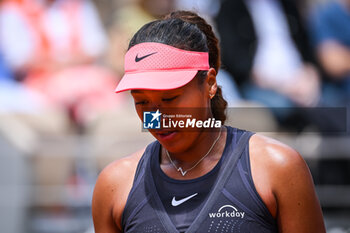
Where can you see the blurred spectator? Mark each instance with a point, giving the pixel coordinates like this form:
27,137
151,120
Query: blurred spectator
14,97
329,24
85,91
50,34
265,48
106,8
330,32
5,72
59,42
128,19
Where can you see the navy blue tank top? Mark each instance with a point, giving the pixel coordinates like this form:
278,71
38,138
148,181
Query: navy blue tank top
231,205
183,199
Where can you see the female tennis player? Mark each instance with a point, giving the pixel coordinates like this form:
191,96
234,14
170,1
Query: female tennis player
218,180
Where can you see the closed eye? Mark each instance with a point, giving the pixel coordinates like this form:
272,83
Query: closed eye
170,99
140,102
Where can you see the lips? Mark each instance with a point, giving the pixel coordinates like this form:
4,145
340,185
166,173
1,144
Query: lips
166,135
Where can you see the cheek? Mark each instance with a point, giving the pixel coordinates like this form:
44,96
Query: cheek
196,99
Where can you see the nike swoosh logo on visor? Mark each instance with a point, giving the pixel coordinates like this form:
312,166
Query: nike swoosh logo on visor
137,59
179,202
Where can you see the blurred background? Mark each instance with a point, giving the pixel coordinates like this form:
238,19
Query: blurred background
61,123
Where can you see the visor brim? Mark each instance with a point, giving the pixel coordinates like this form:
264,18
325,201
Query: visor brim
155,80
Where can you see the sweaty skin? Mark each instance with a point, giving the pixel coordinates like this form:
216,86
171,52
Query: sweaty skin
280,175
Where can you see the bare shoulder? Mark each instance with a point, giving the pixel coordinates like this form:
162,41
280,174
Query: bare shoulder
278,163
115,175
120,169
275,153
271,162
284,182
112,189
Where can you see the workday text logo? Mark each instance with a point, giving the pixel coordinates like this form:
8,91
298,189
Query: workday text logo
227,211
151,120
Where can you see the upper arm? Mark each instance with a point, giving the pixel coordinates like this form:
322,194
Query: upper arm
102,204
111,192
297,209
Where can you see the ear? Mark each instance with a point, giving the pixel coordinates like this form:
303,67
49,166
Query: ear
211,82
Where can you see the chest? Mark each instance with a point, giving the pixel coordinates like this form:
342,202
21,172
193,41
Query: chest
232,206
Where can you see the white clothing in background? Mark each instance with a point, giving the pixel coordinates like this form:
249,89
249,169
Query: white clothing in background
276,59
20,42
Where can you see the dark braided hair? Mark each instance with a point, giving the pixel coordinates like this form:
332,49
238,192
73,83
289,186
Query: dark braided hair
188,31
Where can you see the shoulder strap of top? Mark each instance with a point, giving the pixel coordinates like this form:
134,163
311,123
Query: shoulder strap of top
236,155
141,166
225,174
140,171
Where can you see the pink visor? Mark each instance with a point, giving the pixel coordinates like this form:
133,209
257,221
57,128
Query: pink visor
156,66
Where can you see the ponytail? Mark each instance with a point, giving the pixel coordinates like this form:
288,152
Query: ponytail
218,103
